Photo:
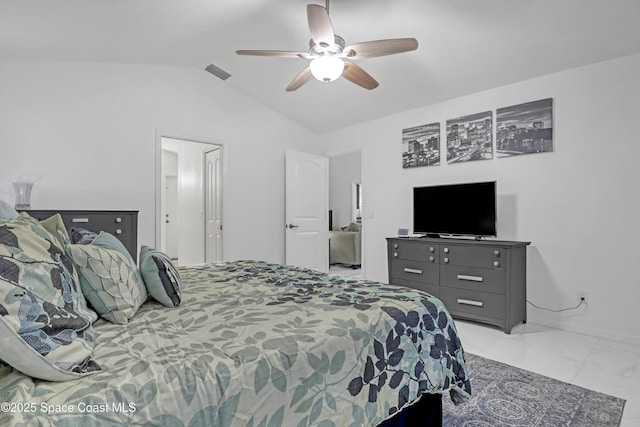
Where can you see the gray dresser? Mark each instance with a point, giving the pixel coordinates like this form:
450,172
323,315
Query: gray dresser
480,280
122,224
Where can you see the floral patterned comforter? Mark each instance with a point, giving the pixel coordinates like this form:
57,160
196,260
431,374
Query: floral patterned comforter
256,345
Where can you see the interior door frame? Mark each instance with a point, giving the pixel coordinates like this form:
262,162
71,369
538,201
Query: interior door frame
363,234
218,200
163,133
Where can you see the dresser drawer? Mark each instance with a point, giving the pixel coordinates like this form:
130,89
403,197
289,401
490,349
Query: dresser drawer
485,257
482,304
415,271
114,224
416,251
473,278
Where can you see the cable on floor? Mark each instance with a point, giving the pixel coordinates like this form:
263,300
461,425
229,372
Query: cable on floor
560,310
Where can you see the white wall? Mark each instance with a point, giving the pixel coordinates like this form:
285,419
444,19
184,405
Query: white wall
579,205
89,131
344,170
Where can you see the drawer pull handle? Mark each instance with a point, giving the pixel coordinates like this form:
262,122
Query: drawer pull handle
470,278
79,219
431,259
446,250
412,271
118,231
118,220
470,302
395,254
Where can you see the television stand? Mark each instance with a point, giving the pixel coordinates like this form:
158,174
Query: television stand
479,280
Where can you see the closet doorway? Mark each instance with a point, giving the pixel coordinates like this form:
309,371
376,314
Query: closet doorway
189,206
346,207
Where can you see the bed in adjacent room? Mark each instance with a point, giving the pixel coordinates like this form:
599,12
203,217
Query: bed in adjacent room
248,344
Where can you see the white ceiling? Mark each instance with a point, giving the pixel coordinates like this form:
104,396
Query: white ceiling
465,46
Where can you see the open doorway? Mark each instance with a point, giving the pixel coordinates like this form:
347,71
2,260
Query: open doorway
346,207
189,218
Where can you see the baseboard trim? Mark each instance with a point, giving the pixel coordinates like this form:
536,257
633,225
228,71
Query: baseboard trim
590,331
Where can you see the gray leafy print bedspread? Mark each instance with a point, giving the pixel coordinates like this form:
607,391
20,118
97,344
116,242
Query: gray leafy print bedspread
257,345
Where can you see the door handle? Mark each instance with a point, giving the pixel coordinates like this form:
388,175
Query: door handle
291,226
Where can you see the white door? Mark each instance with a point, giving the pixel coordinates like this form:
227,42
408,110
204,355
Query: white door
213,206
171,217
306,206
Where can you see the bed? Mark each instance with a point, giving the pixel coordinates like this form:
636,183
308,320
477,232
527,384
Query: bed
257,344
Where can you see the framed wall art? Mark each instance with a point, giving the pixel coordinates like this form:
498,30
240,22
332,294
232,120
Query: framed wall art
524,128
470,138
421,146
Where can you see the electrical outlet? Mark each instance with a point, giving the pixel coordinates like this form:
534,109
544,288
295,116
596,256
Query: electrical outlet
583,295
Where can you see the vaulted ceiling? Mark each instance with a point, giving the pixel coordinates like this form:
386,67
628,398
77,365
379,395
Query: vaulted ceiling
465,46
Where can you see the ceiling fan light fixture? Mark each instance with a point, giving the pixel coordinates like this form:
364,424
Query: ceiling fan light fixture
327,51
327,68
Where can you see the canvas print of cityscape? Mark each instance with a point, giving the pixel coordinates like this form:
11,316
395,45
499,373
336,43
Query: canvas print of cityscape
470,138
421,146
524,128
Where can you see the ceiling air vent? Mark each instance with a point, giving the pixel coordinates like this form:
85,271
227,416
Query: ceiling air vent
218,72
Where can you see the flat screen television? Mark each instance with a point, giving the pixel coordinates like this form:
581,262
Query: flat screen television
455,209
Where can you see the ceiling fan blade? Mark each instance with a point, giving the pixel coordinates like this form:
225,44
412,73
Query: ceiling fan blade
380,48
276,53
300,79
357,75
320,25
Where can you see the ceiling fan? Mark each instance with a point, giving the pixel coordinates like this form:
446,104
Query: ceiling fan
327,52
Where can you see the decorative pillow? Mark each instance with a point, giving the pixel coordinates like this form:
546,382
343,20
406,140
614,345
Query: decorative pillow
82,236
45,325
110,281
160,277
109,241
7,212
55,226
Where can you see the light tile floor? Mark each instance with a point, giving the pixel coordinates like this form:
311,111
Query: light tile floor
343,270
595,363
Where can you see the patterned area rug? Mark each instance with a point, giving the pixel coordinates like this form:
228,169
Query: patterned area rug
503,395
